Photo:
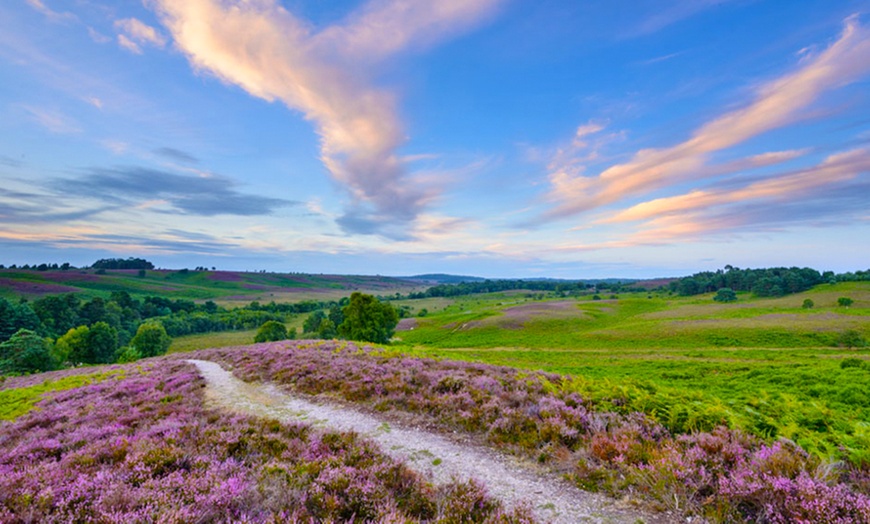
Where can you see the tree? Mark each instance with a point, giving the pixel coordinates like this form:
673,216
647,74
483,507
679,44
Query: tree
808,304
73,345
726,294
851,339
312,323
271,331
367,319
102,342
25,352
844,301
151,340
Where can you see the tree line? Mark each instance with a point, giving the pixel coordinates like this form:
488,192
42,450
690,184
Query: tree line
764,282
64,330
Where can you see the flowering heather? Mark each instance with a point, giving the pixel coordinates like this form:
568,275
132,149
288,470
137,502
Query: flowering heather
143,448
725,475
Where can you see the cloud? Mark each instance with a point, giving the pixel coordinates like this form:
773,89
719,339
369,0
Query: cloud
176,155
777,103
270,53
54,121
52,15
8,161
136,33
185,194
798,186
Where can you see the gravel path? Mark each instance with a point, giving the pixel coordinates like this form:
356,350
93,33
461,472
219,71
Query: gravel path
434,456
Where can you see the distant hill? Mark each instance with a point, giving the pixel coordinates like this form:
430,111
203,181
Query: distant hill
224,286
442,278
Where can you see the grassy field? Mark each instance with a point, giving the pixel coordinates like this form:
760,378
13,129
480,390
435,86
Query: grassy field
229,288
768,366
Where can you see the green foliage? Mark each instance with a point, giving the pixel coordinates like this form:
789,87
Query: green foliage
808,303
367,319
14,317
103,342
844,301
88,345
15,402
151,340
312,323
851,339
768,282
271,331
120,263
127,354
852,362
26,352
72,345
326,329
725,294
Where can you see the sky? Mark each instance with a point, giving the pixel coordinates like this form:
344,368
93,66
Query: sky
497,138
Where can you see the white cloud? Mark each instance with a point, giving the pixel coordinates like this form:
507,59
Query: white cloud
136,33
272,54
51,14
777,103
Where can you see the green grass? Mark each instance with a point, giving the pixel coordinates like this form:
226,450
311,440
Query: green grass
212,340
16,402
760,364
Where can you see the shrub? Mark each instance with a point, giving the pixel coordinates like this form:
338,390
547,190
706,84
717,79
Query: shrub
808,304
851,363
851,339
271,331
726,294
844,301
151,340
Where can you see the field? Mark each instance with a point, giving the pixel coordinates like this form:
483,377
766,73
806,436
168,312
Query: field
228,288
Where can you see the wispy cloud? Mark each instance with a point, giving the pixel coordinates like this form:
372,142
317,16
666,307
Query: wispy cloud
185,194
135,33
274,55
51,14
777,103
176,155
53,120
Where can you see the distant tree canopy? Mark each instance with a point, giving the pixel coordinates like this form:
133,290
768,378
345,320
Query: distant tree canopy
122,263
725,294
367,319
770,282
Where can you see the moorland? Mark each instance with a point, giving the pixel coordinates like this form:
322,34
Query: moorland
752,406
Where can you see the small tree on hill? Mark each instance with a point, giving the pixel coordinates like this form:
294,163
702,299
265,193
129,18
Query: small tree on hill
367,319
271,331
26,352
808,304
726,294
844,301
151,340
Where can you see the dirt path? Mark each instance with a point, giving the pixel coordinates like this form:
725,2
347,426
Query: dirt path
434,456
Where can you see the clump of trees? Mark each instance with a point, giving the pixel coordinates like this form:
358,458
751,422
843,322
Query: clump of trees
122,263
361,317
726,294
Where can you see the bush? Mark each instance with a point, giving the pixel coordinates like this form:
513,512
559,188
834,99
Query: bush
808,304
726,294
844,301
851,339
851,363
367,319
271,331
151,340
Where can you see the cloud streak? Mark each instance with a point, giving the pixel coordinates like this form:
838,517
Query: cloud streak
776,104
174,193
270,53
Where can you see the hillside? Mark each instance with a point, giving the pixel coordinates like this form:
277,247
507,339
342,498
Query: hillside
224,287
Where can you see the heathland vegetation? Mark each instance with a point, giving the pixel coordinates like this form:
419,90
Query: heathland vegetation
736,394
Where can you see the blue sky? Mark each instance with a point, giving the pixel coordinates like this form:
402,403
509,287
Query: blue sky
501,138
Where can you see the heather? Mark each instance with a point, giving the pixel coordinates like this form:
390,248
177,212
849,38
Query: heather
724,474
141,446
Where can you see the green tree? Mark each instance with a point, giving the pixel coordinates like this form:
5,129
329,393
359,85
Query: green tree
26,352
808,304
367,319
326,329
312,323
851,339
726,294
844,301
151,340
271,331
103,342
72,346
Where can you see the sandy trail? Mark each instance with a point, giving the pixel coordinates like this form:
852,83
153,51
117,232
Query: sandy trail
437,458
